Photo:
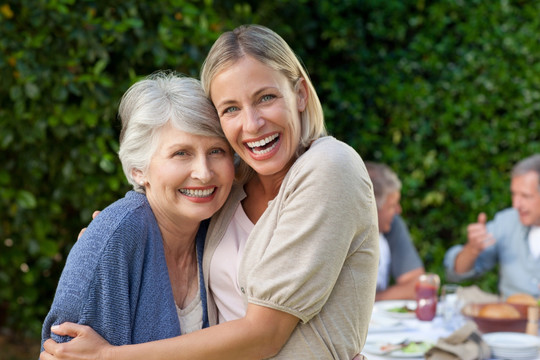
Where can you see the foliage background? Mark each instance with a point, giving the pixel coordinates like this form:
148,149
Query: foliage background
446,92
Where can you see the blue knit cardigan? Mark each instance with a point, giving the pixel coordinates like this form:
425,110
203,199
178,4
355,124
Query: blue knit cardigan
116,280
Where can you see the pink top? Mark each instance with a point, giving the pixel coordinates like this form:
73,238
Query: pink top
223,275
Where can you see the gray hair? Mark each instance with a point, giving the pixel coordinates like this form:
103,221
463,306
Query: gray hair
384,180
270,49
149,105
531,163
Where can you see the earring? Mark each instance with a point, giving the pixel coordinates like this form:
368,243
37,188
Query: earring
141,183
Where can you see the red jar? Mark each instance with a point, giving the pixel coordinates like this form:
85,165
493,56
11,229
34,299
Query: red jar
427,289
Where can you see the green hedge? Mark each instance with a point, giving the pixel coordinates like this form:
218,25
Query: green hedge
64,67
445,92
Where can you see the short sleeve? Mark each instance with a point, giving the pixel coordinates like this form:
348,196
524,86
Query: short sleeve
404,257
304,243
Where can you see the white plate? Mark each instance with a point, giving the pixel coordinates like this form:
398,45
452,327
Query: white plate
513,356
374,343
385,308
385,324
511,340
525,351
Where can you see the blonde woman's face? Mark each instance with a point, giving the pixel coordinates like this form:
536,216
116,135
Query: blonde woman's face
259,112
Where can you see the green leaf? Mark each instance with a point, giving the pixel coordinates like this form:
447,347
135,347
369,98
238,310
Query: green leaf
26,199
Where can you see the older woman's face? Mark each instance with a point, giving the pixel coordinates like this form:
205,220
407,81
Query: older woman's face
189,177
259,112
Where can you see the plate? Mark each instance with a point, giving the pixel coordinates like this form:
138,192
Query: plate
511,340
385,324
385,308
513,356
511,345
374,343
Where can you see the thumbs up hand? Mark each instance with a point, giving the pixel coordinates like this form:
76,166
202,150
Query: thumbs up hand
478,237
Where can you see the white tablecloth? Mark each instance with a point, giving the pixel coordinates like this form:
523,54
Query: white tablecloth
411,329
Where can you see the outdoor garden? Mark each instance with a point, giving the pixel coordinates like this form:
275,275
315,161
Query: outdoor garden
446,92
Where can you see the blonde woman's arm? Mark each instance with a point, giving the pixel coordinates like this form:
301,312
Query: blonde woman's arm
260,334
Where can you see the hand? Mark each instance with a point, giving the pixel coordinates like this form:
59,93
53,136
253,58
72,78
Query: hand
94,214
478,237
85,345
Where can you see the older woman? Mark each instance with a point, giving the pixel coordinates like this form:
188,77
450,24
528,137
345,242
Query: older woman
134,275
293,254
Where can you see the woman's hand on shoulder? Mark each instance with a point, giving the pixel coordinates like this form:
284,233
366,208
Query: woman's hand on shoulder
85,345
84,229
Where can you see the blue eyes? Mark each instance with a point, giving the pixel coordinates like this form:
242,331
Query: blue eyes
267,98
231,109
264,98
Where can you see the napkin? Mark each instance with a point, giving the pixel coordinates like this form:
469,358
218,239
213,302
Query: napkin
463,344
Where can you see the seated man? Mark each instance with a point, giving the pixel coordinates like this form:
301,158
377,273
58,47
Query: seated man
399,259
511,239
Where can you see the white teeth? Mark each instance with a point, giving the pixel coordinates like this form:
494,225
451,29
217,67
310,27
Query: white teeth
262,142
198,193
264,151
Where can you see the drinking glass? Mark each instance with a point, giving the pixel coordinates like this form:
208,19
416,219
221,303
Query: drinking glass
451,305
427,289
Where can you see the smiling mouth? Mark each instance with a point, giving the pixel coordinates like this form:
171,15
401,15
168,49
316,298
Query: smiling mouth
263,146
198,193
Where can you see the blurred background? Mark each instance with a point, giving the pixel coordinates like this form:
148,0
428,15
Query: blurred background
446,92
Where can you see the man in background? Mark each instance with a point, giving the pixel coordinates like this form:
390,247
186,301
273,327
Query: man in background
511,239
399,263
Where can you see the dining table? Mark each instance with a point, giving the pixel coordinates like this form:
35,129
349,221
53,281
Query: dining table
390,327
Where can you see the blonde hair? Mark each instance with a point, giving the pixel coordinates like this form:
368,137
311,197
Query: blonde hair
270,49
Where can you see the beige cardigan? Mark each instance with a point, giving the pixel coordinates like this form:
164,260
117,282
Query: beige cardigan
314,252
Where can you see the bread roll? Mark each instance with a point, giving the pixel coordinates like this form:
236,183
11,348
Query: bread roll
499,311
523,299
